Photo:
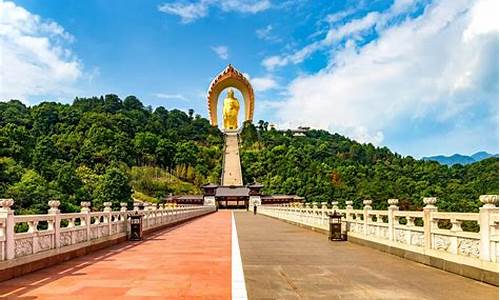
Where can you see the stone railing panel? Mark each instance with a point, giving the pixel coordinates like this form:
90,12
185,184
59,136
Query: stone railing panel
34,240
417,231
56,230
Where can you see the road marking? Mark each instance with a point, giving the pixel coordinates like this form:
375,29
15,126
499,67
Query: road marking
238,288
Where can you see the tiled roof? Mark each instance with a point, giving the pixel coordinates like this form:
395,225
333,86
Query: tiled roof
232,191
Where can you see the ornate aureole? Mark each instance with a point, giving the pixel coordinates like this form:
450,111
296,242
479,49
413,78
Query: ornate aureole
230,77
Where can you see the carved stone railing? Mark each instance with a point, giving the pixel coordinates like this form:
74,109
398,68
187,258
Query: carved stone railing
55,232
416,231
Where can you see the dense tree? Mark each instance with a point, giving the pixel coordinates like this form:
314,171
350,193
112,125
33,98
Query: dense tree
98,148
69,150
325,167
165,152
113,187
32,193
131,102
145,144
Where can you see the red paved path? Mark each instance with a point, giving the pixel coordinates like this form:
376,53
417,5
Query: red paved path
191,261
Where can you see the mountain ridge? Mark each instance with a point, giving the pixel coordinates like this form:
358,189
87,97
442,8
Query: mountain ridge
460,158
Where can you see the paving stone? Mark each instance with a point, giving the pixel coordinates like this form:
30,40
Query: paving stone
284,261
190,261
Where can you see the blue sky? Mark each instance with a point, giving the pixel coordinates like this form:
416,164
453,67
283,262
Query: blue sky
420,77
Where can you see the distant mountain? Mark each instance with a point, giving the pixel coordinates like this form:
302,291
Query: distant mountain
482,155
460,159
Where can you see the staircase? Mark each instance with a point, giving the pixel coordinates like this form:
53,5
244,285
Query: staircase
231,167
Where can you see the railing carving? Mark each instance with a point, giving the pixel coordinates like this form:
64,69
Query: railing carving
74,230
418,231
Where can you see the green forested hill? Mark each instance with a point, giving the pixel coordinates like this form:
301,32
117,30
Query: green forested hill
98,148
324,166
86,151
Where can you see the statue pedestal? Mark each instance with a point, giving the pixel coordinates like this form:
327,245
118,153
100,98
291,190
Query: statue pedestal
231,131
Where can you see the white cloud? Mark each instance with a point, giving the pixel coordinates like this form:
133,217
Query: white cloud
221,51
353,29
261,84
266,33
441,66
484,19
171,96
335,17
349,29
274,61
187,11
245,6
34,58
191,11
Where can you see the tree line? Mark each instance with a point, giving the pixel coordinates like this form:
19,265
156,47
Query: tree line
107,149
85,151
323,167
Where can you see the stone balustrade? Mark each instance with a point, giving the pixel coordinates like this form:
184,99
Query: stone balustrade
56,232
420,232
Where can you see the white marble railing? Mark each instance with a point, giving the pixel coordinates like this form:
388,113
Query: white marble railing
55,231
417,231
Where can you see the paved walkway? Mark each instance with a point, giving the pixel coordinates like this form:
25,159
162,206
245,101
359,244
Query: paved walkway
198,260
232,167
284,261
191,261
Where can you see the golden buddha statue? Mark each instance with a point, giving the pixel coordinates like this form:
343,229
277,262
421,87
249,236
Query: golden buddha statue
230,111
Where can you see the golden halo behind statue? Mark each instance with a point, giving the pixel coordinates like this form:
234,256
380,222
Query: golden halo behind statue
230,77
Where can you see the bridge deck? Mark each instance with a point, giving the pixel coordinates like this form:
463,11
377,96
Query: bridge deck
280,261
284,261
191,261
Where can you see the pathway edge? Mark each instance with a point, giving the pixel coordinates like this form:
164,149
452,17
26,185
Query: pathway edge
238,287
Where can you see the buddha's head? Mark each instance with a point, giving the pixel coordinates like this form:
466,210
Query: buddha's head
230,93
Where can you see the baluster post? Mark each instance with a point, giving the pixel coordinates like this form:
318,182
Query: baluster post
123,210
393,206
366,215
456,226
429,208
85,220
154,207
324,214
348,214
147,215
378,230
161,207
348,208
485,229
108,217
7,215
315,217
136,205
33,228
56,222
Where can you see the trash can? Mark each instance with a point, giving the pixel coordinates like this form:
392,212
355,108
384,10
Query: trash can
335,232
135,227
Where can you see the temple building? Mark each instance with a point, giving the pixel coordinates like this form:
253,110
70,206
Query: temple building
232,196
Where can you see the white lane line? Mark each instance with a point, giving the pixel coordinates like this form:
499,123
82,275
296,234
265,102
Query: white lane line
238,288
